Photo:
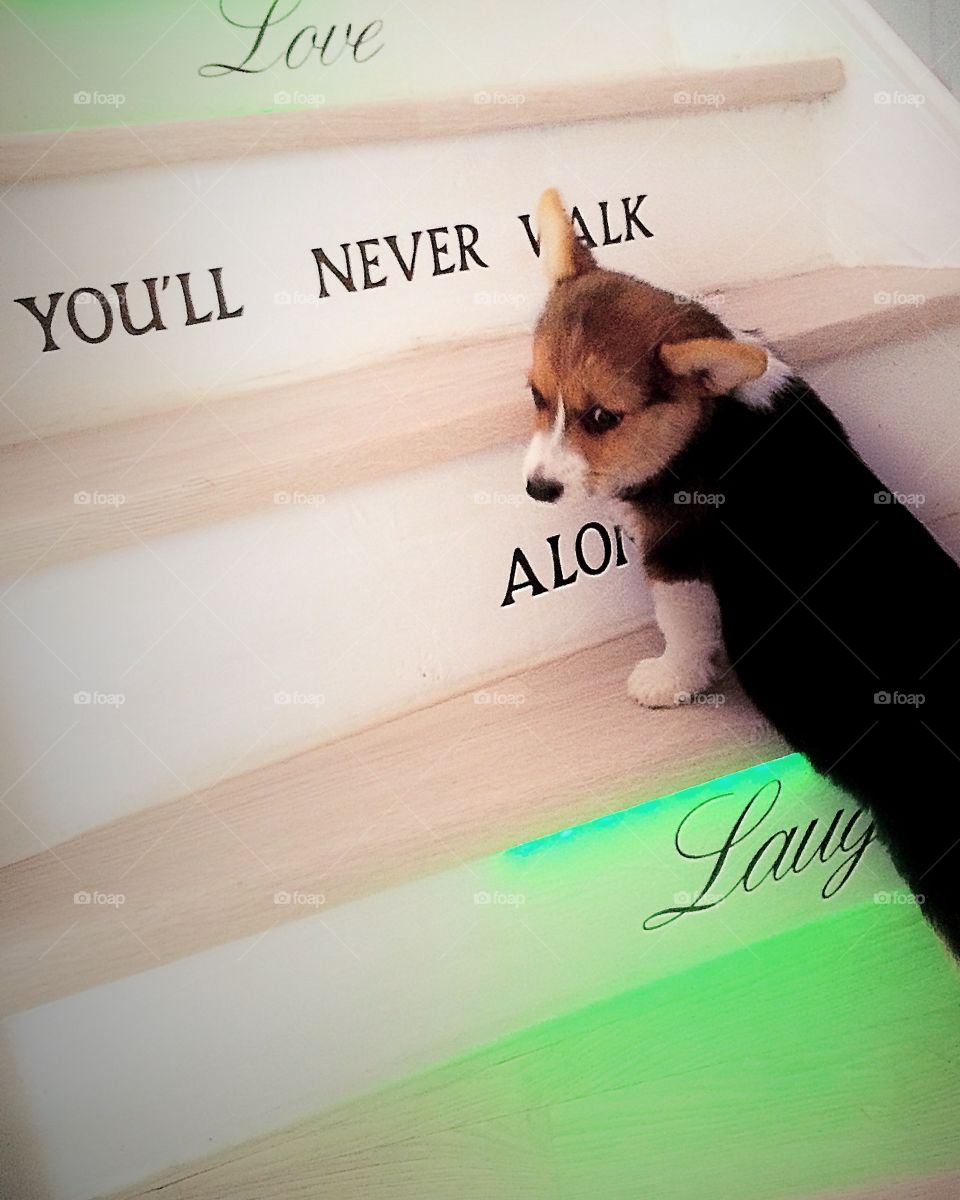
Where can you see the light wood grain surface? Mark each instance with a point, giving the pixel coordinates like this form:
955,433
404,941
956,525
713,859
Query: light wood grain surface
434,788
28,157
230,456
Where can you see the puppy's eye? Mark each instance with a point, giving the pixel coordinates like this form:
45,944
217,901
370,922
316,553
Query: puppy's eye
600,420
538,400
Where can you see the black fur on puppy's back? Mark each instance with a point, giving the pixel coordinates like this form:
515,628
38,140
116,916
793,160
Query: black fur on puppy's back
841,617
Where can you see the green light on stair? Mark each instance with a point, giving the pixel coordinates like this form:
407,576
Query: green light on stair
792,769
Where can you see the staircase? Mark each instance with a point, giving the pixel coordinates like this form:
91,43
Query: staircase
271,729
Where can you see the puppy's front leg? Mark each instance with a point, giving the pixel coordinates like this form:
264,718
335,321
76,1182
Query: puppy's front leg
688,616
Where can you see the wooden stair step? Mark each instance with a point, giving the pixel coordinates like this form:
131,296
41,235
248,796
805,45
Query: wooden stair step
32,156
434,788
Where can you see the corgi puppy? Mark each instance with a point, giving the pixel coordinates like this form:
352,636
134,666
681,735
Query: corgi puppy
763,533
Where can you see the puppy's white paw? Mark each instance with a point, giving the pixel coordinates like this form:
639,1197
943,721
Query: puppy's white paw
657,683
654,683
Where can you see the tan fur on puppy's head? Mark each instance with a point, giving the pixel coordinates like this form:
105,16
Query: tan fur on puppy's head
623,373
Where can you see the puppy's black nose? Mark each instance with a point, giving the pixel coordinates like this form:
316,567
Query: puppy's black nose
547,490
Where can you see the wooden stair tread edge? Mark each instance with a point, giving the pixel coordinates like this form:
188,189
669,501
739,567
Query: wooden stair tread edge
27,157
835,310
432,789
181,468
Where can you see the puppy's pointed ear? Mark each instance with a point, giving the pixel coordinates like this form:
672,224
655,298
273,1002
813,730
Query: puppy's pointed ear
717,364
560,252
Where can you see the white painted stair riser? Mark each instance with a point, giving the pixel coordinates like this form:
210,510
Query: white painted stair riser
807,184
259,222
304,623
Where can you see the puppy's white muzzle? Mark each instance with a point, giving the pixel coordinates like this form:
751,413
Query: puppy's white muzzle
551,468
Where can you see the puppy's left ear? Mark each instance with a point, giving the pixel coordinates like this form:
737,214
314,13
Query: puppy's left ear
563,256
717,364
